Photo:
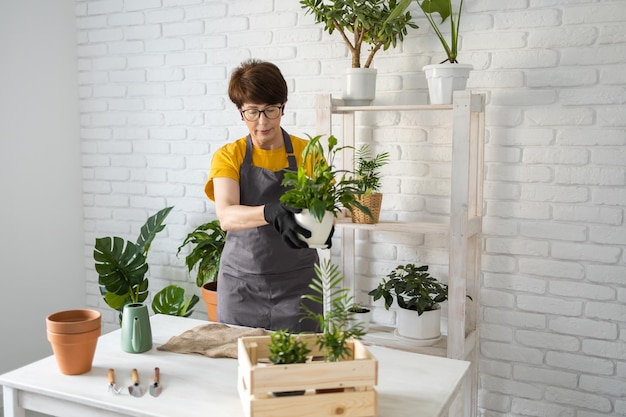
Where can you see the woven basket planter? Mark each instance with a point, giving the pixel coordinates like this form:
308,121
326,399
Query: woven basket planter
372,201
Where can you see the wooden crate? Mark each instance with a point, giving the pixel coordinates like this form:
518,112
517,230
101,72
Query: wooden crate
258,380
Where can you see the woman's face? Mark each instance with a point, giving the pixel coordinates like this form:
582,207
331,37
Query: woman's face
263,121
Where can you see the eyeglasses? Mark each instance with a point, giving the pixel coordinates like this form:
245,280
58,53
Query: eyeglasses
270,112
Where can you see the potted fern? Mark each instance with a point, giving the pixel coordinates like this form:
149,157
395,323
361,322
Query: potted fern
207,242
376,23
122,269
418,295
368,181
320,190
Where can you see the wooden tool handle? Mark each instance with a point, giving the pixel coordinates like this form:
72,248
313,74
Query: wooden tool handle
111,376
157,374
135,376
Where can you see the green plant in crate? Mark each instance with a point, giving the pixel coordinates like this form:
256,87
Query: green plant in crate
284,348
336,321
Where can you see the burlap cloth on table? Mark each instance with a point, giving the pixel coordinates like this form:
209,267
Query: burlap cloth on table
212,340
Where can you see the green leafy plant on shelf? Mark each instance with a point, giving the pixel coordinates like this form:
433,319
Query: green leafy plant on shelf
444,9
367,171
412,287
122,269
336,321
376,23
326,188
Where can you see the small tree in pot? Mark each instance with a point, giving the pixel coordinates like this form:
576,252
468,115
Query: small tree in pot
361,22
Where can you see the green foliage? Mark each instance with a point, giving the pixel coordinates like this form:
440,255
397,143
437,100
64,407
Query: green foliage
327,189
413,287
444,9
171,301
367,170
122,268
209,240
373,22
284,348
336,321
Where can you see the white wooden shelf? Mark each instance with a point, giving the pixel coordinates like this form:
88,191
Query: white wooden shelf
463,226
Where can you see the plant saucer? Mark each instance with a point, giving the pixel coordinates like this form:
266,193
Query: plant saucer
417,342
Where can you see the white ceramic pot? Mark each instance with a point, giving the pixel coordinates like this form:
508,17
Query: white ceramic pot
443,79
359,86
363,319
425,328
319,231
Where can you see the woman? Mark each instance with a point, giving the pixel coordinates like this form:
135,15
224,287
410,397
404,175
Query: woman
265,268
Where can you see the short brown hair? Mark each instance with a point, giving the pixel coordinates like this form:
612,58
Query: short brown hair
256,81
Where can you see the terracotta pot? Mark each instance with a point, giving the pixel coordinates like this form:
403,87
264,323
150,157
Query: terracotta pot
209,295
73,321
74,349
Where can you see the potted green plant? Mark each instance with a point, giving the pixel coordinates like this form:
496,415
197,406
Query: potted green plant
207,242
368,181
337,320
122,269
320,190
418,295
362,315
447,76
371,22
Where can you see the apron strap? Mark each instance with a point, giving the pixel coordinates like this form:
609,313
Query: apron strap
291,157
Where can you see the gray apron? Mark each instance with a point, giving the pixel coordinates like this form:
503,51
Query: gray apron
261,280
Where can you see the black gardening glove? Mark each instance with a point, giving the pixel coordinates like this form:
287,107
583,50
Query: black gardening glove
281,217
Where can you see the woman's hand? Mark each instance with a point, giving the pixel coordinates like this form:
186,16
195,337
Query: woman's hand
283,220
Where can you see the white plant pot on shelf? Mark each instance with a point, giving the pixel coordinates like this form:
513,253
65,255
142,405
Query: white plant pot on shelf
425,329
443,79
363,319
319,231
359,86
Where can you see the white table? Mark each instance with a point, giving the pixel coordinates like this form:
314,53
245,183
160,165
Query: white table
409,384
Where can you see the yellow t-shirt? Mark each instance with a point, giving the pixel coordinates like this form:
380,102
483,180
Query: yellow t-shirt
228,159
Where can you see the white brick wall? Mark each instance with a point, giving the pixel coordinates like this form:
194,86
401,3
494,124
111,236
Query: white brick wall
153,77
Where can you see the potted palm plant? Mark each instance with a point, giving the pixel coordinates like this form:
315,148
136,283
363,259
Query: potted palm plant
360,22
122,269
368,177
418,295
207,241
449,75
320,190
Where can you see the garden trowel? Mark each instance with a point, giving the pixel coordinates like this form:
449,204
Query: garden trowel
135,390
155,388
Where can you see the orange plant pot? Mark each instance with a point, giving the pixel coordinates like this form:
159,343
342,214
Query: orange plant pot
75,339
209,295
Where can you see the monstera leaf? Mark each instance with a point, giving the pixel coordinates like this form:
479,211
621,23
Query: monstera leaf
171,301
122,265
121,268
